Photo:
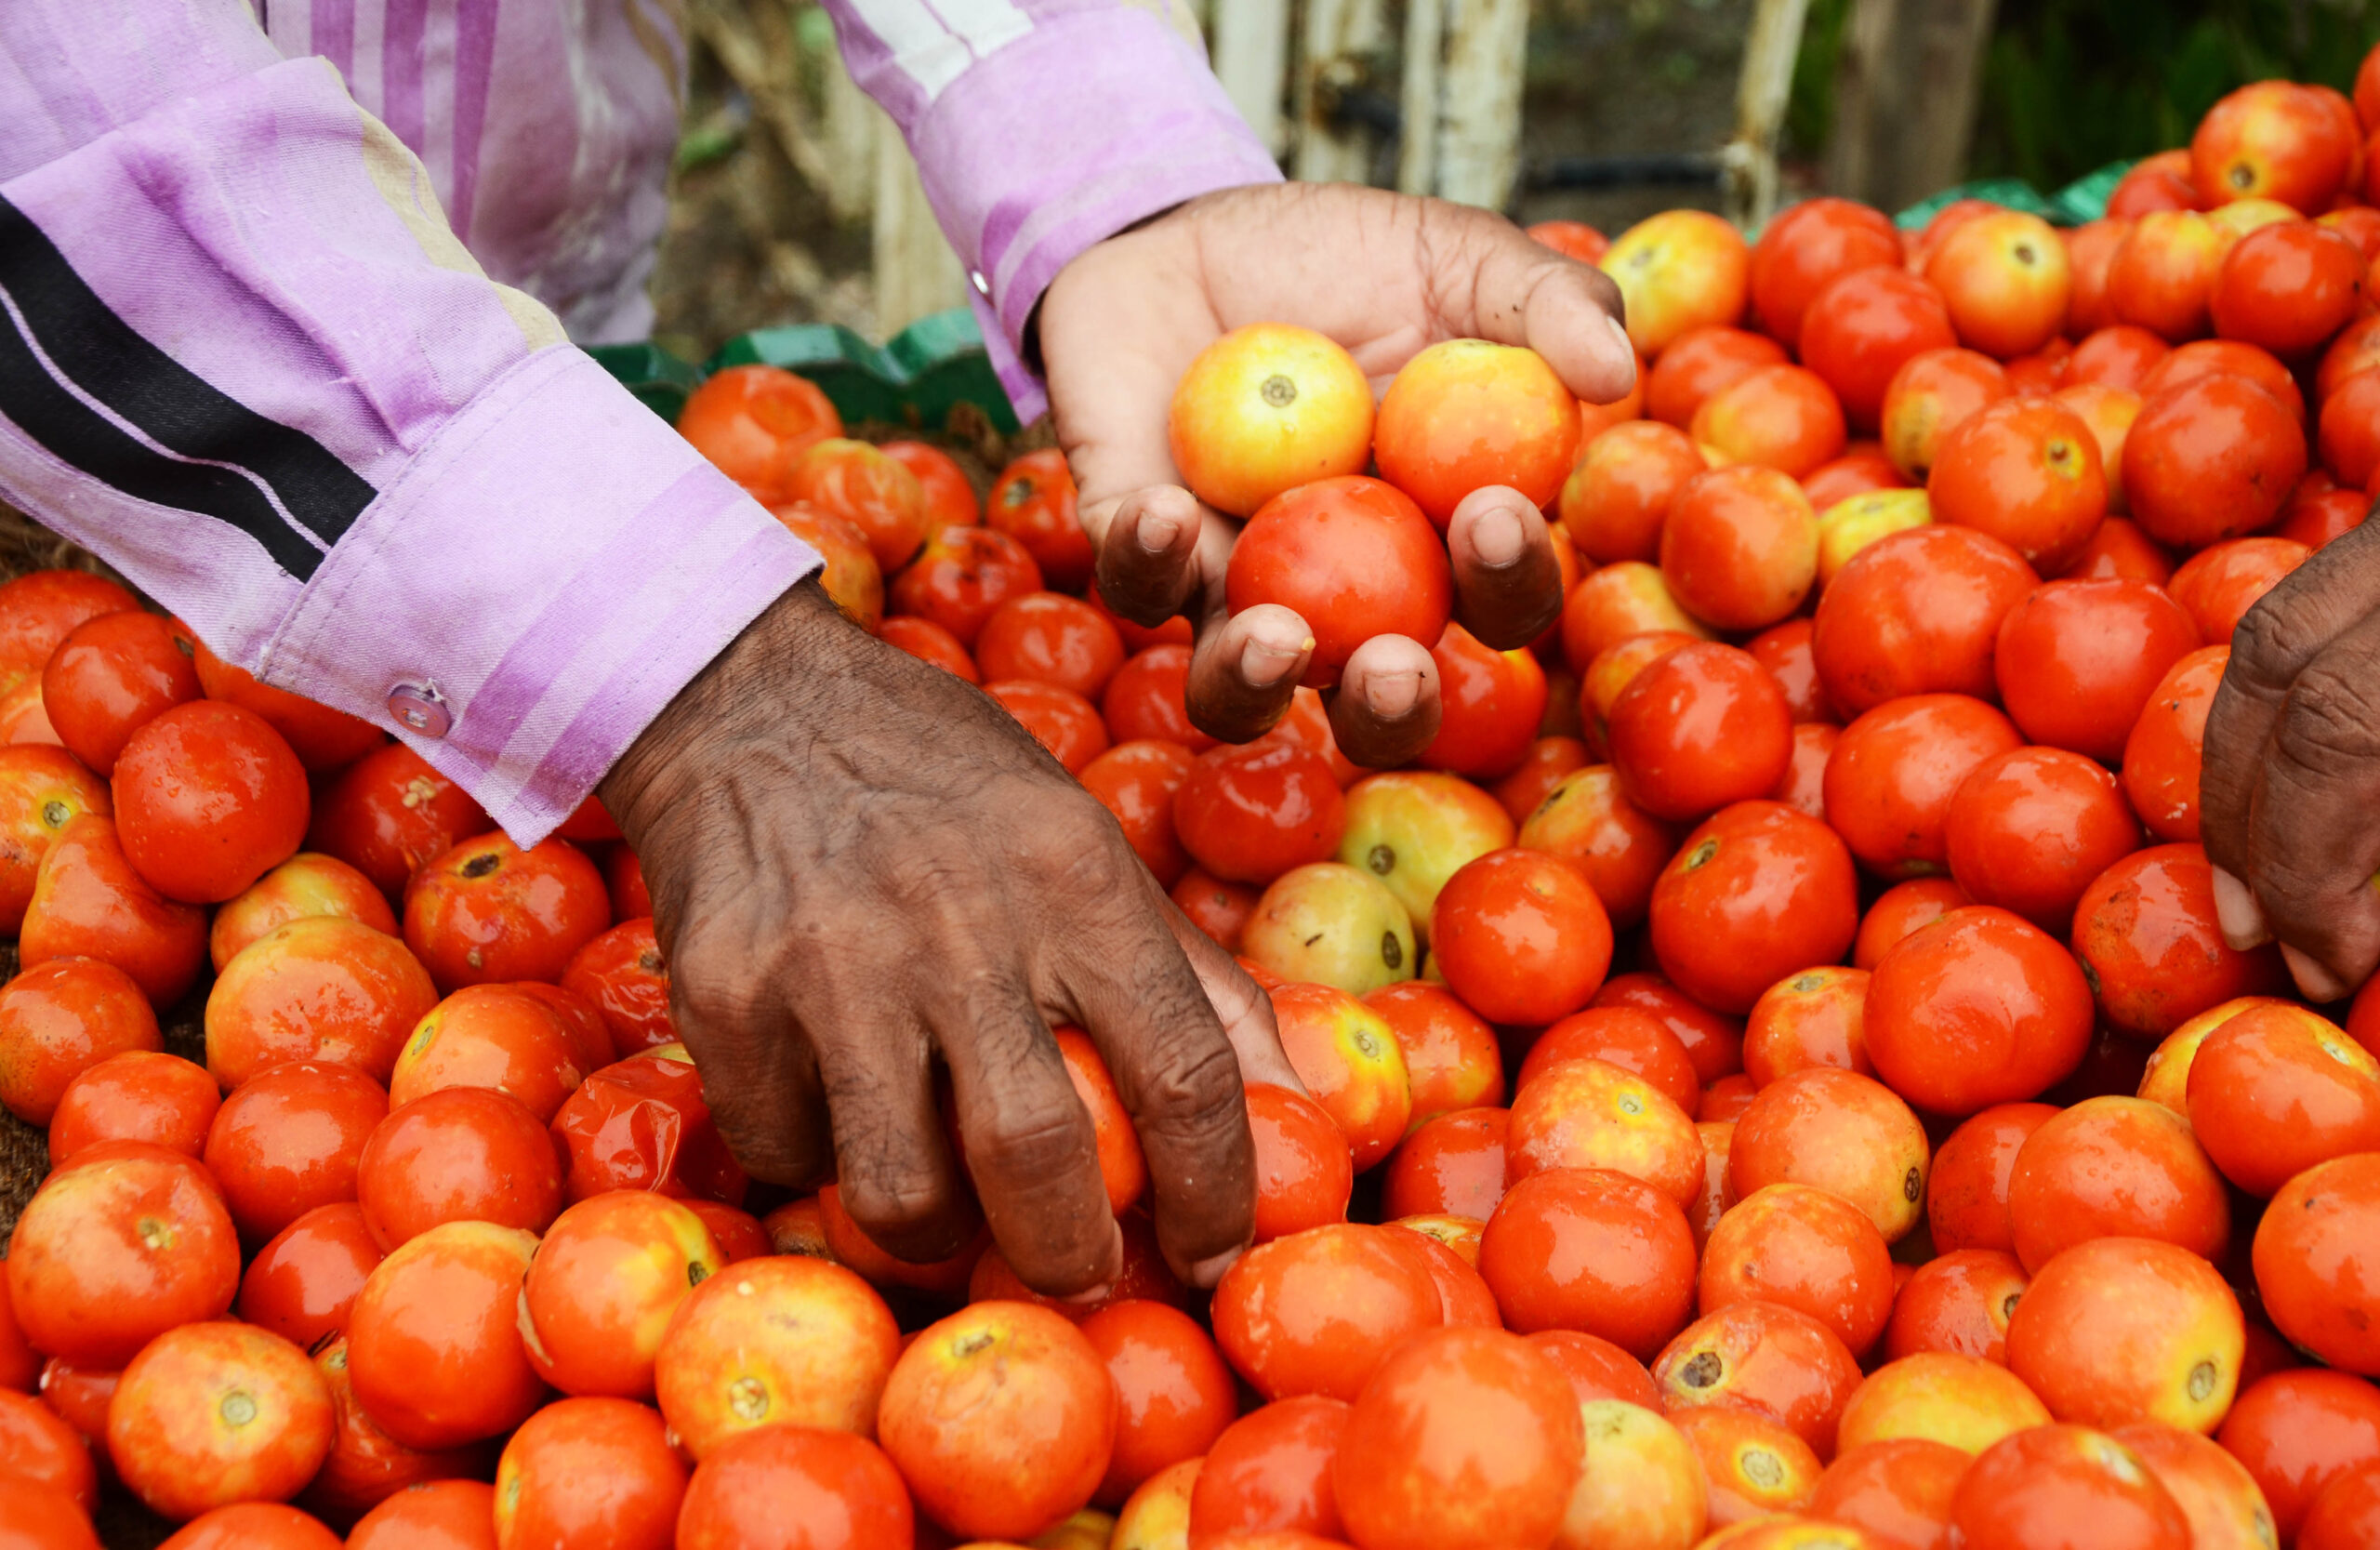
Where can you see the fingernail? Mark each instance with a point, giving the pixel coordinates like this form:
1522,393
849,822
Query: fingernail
1207,1272
1497,538
1627,346
1158,531
2240,917
1266,664
2315,982
1393,694
1097,1294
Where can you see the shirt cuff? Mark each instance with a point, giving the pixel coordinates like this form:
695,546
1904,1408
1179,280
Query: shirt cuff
543,577
1090,122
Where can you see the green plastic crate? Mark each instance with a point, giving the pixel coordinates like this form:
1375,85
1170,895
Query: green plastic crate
928,369
2083,200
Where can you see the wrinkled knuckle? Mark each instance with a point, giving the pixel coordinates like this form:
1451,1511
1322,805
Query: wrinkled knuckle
2330,723
1193,1083
2271,643
1041,1139
895,1202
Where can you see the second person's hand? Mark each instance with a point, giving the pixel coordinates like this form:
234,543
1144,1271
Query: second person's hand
1384,275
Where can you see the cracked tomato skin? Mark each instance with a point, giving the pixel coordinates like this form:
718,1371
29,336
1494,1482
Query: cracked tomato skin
488,911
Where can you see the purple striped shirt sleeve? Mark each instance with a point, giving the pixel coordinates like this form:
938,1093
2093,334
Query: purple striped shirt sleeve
1042,126
243,358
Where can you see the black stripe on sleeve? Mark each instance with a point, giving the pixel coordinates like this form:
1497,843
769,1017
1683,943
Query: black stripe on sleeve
76,434
102,354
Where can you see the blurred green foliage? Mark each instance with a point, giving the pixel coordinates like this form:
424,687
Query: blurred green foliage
2070,85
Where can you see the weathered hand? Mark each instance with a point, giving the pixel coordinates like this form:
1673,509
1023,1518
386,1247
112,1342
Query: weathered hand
1384,275
859,864
2290,781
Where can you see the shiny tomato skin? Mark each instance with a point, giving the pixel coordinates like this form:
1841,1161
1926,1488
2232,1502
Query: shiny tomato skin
542,1501
208,798
2029,829
1001,1418
307,885
1492,703
1304,1168
59,1020
754,422
1981,1008
1897,771
488,911
2064,1488
2115,1166
1315,1313
1051,638
434,1343
1174,1394
622,975
113,1252
1354,557
2028,472
389,814
39,609
1465,1439
321,987
322,738
609,1273
1704,726
1463,413
1521,937
2078,661
2211,459
797,1487
1739,547
89,902
288,1141
2220,583
1249,812
458,1154
39,1446
961,577
2145,932
302,1283
2162,752
430,1514
1147,699
1809,245
1453,1163
1863,327
210,1414
1917,611
1592,1251
42,790
1137,781
1756,893
254,1526
1271,1471
1033,501
111,677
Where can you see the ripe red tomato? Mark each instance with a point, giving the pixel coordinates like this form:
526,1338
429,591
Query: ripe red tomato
1173,1393
1033,502
753,421
1895,771
2220,583
1591,1251
1916,612
1051,639
1252,812
302,1283
1766,1358
1465,412
609,1273
2313,1261
860,484
1863,327
840,1489
1037,1436
1840,1132
433,1340
1958,1302
1756,893
1466,1439
2030,829
641,1124
1982,1008
59,1019
2297,1432
114,1252
1806,1250
42,790
39,609
210,1414
2064,1488
1520,936
323,739
542,1501
40,1446
787,1339
2079,660
1780,417
138,1096
319,988
1807,247
111,677
1353,557
1931,395
1739,547
2211,459
2112,1167
961,575
1147,700
1316,1312
621,974
1270,1472
431,1514
1703,726
88,902
2028,472
928,641
950,497
307,885
288,1140
1700,364
2119,1330
2147,934
488,911
460,1154
254,1526
390,813
2278,1090
2288,288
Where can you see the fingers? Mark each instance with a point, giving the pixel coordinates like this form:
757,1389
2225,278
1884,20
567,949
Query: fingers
2310,840
760,1076
1246,1012
1386,708
1148,553
2282,635
1030,1144
898,1178
1245,669
1508,584
1179,1075
1570,312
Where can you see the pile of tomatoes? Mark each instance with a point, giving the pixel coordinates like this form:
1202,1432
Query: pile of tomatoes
1930,1171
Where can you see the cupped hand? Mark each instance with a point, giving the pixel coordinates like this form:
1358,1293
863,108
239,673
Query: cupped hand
861,866
2290,786
1384,275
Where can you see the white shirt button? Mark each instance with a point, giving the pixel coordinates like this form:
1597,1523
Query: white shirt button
421,708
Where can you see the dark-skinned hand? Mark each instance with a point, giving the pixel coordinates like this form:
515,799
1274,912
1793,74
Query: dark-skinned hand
2291,779
1384,275
859,865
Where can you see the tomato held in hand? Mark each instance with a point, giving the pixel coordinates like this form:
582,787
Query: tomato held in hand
1465,414
1266,408
2162,752
1353,557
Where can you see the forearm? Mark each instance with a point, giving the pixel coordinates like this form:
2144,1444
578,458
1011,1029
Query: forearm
1043,127
247,362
